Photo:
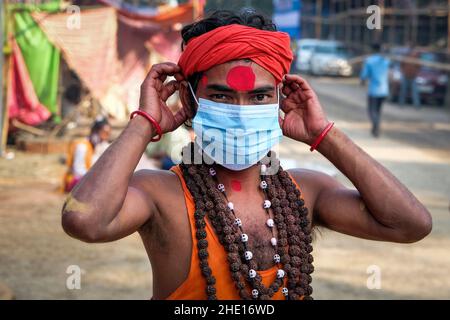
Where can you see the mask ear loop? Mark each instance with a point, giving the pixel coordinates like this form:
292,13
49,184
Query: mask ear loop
281,113
193,94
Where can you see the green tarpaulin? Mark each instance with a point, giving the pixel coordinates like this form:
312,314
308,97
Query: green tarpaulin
41,57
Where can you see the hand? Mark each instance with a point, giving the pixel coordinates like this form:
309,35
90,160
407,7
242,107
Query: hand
154,94
304,118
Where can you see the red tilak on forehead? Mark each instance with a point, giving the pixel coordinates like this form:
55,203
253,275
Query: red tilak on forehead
204,80
241,78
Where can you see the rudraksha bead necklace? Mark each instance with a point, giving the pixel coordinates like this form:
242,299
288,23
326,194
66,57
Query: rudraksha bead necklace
293,245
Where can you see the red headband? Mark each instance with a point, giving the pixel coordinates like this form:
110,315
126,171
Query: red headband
269,49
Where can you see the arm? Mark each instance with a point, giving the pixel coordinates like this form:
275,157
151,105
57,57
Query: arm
110,202
381,208
105,206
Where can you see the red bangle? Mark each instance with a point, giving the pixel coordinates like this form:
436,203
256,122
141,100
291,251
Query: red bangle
321,136
154,123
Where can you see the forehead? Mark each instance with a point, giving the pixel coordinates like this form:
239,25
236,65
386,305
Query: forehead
219,73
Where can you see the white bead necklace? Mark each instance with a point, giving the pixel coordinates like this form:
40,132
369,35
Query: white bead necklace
248,255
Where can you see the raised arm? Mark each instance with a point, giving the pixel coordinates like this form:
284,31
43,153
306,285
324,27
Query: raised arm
110,202
381,208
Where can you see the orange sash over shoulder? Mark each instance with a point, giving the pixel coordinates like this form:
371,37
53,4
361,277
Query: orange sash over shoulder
193,288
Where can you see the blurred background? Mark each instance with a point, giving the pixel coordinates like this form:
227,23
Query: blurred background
71,72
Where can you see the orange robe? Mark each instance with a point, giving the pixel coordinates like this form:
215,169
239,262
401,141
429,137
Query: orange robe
69,178
193,288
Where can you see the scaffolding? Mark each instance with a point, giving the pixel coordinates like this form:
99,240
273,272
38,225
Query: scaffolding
409,23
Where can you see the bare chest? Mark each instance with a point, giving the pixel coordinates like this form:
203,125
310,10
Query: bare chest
254,225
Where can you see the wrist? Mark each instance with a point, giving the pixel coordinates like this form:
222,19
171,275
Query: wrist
142,127
316,134
328,141
153,123
319,136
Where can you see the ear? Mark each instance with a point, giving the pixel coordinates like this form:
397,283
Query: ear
187,100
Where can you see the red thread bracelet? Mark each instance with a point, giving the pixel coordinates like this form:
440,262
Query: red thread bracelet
321,136
154,123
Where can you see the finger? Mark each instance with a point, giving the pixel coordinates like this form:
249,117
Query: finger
180,117
179,76
286,90
289,105
291,78
294,86
169,89
162,70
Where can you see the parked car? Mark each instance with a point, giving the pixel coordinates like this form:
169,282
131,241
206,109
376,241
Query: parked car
331,58
305,48
431,82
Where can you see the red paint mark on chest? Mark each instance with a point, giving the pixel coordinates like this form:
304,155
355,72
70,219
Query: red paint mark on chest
241,78
236,185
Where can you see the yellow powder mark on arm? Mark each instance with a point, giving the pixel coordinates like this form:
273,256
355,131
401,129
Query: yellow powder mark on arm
74,205
362,206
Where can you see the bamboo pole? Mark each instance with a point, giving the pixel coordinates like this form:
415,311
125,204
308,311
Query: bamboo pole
4,70
2,105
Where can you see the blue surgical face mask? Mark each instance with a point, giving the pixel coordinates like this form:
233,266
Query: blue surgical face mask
236,136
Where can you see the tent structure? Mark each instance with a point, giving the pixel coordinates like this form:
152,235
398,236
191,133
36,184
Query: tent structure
109,48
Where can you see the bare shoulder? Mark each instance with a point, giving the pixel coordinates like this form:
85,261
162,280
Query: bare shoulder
312,179
164,192
156,184
311,183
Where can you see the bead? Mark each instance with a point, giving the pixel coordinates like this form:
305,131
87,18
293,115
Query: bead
266,204
263,184
230,205
276,258
263,169
248,255
238,222
280,273
273,241
252,273
221,187
244,237
285,291
212,171
255,293
270,223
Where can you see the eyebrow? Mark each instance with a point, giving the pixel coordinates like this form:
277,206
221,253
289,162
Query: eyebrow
222,88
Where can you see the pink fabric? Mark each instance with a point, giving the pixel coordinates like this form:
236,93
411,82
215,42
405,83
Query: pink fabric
167,44
22,101
110,52
89,50
132,35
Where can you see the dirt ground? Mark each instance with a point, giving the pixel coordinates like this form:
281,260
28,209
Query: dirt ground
35,253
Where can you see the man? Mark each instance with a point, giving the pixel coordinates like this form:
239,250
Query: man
230,229
84,152
376,71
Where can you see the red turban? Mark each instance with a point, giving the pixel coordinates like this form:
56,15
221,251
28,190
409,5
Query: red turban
269,49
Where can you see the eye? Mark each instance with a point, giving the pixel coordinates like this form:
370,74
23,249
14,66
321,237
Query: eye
261,98
219,97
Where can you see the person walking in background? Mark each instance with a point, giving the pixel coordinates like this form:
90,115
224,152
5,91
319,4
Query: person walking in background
375,71
84,152
409,75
